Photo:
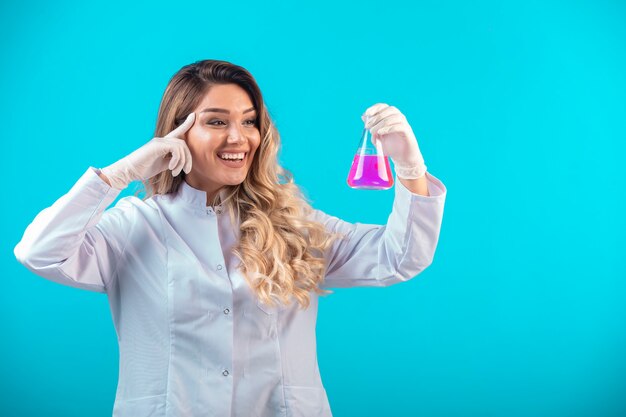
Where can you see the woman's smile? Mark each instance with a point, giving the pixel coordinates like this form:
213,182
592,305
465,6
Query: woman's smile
233,160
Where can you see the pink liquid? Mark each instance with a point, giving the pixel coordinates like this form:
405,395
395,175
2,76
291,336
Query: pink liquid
370,172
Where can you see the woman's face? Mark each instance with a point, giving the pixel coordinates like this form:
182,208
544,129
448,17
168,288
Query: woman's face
224,131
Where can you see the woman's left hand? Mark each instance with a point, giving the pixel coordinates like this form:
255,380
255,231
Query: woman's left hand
392,129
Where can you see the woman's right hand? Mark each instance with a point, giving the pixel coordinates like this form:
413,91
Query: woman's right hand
159,154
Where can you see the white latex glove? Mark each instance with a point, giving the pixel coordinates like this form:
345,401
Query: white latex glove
392,130
152,158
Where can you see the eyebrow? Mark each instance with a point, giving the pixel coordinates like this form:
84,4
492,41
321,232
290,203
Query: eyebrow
218,110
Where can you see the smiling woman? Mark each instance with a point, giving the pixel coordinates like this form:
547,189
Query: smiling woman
216,314
232,123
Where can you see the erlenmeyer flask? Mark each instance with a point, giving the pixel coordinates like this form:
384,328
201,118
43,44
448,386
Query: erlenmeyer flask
370,167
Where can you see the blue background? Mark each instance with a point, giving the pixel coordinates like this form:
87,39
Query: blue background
519,107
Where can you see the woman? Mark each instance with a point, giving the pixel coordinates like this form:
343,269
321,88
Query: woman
213,278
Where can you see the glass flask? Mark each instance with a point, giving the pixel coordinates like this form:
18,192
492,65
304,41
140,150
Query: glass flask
370,167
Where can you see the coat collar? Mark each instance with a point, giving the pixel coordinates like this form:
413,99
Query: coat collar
193,196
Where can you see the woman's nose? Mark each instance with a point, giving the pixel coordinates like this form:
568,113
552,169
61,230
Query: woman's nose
235,138
235,135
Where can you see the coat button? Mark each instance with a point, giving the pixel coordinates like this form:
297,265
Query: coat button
225,372
219,267
226,310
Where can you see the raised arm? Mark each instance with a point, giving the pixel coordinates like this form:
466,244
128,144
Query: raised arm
75,241
382,255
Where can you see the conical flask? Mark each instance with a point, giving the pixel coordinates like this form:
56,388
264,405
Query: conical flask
370,167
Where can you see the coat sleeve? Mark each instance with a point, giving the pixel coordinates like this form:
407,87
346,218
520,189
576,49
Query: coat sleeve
382,255
75,242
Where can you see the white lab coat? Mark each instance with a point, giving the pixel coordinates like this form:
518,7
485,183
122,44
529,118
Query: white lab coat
193,339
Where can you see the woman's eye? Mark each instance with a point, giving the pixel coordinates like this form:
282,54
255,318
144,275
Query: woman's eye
251,122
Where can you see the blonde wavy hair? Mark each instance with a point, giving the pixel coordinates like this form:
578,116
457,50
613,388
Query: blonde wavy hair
281,251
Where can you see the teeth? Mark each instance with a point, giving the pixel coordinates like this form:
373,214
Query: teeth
232,155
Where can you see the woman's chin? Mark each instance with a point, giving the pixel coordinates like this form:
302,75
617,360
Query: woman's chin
234,180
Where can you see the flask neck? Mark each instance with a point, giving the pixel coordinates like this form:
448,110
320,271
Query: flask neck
366,145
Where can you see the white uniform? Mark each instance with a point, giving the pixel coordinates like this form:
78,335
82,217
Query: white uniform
193,339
